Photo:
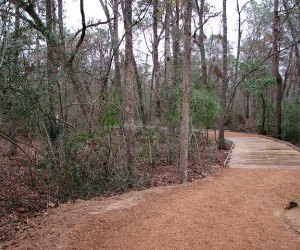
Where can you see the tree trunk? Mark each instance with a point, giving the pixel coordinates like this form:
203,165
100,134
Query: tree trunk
51,72
201,43
247,105
184,130
140,93
129,92
168,80
238,52
294,39
13,130
176,44
276,24
221,139
156,63
114,32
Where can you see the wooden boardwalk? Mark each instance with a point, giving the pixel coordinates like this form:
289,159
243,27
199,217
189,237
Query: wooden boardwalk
258,152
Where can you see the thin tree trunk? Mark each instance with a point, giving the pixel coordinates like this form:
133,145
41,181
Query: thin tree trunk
221,139
247,105
184,130
51,72
277,75
13,125
201,43
294,39
114,32
129,92
238,52
168,77
156,63
140,92
176,44
117,79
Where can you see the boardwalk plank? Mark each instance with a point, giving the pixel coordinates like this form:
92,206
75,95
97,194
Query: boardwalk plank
258,152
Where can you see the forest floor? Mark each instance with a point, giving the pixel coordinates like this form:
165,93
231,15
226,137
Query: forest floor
237,208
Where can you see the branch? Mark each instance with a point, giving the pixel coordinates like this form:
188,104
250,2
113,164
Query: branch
37,22
204,22
70,62
89,26
252,70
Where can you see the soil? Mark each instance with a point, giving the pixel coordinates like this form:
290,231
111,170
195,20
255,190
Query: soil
234,209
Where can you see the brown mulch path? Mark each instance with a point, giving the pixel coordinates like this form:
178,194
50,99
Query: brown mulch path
235,209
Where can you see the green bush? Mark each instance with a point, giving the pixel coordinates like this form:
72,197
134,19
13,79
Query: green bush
291,118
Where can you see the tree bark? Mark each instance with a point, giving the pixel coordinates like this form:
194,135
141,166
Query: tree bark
51,72
117,79
156,62
114,32
184,130
294,39
129,92
140,93
275,59
13,130
176,44
168,80
201,43
221,139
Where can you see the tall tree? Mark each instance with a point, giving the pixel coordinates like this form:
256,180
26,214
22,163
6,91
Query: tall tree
114,33
156,73
13,130
184,129
140,93
168,78
200,10
294,33
51,69
129,92
221,139
276,28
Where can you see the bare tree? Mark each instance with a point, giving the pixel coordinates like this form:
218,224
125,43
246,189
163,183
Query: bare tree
13,130
114,32
200,10
168,78
221,139
276,24
293,31
129,92
184,130
156,73
140,93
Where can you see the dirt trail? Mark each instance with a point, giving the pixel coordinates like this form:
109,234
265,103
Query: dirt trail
235,209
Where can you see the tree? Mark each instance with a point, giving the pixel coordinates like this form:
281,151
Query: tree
168,79
276,33
200,10
156,73
129,92
221,139
184,129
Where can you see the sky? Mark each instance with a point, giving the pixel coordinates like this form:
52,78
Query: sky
93,11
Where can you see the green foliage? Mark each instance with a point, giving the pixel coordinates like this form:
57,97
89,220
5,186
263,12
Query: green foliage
83,168
258,81
291,118
205,107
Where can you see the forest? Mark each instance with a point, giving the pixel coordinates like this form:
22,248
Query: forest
99,110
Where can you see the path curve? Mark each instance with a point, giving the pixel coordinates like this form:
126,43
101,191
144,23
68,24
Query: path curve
238,208
259,152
